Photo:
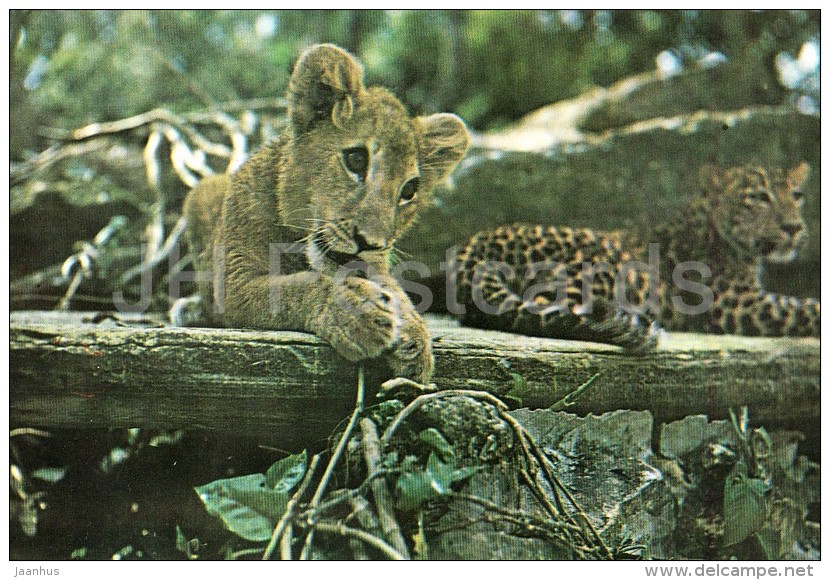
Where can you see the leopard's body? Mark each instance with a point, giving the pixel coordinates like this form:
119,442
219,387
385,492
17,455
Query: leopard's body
698,272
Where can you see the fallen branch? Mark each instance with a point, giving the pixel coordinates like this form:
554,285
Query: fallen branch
266,383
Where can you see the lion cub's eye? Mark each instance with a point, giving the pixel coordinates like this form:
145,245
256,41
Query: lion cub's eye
759,196
408,191
356,160
798,195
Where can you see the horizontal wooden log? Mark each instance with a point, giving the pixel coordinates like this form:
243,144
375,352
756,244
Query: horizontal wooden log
291,389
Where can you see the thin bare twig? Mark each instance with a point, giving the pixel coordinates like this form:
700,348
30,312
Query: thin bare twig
182,158
534,460
155,229
290,508
20,172
151,262
335,458
71,290
237,132
373,541
159,114
348,495
519,516
531,449
121,125
362,512
286,541
153,117
28,431
84,258
245,552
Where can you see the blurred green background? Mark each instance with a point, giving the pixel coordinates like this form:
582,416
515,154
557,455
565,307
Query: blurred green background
75,67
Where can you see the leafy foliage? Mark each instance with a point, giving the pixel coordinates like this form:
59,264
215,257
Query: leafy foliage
744,505
251,505
418,485
70,68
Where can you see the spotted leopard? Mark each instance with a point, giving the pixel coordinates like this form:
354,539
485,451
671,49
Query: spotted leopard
697,272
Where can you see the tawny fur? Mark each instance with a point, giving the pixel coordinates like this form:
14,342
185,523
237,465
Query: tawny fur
302,190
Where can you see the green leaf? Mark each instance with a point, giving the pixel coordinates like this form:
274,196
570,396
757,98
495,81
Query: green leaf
761,443
437,443
518,390
444,474
181,540
744,508
185,546
246,505
286,473
415,488
569,400
440,473
49,474
464,473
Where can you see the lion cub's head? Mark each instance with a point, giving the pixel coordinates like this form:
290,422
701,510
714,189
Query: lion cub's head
357,168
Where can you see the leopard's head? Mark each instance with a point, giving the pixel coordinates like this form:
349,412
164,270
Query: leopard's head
356,168
758,210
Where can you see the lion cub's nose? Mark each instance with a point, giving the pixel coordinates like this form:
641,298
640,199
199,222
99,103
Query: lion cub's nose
363,244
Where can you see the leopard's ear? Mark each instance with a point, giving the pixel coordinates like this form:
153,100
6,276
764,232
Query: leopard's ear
326,84
710,177
442,142
798,176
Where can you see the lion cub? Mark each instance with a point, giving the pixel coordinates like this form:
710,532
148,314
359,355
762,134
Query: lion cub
299,238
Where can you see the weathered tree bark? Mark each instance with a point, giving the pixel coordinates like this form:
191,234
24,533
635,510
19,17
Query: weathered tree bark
291,389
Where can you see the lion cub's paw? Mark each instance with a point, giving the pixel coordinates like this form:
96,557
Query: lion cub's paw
361,319
412,357
364,320
187,311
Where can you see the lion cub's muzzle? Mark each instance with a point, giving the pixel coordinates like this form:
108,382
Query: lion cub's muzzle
343,250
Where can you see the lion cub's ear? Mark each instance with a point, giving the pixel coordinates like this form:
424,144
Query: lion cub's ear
442,143
325,84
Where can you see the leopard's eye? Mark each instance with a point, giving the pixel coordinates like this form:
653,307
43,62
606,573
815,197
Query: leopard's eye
408,191
356,160
798,195
759,196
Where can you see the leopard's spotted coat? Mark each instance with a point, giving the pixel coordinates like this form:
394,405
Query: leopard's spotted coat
535,279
